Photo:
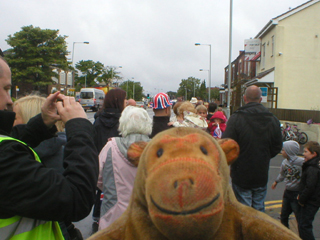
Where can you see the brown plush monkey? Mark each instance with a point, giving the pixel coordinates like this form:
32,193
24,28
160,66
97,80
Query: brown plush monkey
182,191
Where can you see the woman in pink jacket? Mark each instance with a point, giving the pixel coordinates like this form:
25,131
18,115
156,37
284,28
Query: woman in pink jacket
116,173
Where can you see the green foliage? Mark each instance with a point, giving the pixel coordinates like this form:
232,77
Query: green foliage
93,73
188,88
90,71
215,94
128,87
34,54
203,91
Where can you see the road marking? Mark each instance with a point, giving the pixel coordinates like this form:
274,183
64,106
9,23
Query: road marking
275,201
273,204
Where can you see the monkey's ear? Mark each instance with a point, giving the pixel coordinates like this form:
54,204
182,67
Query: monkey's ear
134,152
230,148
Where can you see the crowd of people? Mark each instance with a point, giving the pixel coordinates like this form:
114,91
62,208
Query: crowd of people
56,164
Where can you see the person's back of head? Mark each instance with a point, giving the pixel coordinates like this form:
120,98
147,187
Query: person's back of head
175,108
161,105
212,107
134,120
291,149
252,94
131,102
115,98
27,107
186,106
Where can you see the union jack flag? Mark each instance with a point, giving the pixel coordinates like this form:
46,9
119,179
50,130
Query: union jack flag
217,132
161,101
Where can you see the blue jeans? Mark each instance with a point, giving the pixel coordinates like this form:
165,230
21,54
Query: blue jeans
289,204
307,214
253,197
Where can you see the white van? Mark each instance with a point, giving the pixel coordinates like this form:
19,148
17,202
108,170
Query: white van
91,98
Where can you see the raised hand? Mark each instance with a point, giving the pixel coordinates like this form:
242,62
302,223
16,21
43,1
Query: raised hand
49,109
69,109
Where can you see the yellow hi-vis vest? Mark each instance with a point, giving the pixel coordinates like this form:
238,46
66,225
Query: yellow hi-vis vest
22,228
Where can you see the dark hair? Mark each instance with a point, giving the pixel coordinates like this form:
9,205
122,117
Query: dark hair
212,107
313,147
115,99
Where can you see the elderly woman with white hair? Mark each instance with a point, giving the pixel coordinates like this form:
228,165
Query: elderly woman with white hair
116,172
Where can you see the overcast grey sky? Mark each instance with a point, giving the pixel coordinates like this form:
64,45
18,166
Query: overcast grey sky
153,40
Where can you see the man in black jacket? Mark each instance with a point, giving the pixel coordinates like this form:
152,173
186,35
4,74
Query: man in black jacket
257,131
162,113
28,189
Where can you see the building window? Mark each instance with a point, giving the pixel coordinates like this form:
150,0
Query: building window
272,39
263,55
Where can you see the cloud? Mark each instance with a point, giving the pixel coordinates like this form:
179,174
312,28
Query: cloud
152,40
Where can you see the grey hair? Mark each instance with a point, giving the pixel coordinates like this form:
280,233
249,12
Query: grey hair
134,120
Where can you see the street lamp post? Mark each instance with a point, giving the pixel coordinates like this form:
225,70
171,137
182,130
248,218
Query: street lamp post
209,81
127,86
198,44
73,50
230,55
133,90
72,60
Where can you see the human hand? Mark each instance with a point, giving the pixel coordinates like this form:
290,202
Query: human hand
273,186
69,109
49,109
170,123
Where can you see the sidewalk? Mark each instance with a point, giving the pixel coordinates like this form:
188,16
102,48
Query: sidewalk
275,213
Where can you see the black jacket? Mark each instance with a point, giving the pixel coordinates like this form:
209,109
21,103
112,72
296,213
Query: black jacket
29,189
50,151
106,126
159,124
257,131
310,182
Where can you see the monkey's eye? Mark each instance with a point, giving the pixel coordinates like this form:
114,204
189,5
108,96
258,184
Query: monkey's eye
160,152
203,150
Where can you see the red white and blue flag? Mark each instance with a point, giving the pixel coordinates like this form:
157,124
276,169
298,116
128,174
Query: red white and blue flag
161,101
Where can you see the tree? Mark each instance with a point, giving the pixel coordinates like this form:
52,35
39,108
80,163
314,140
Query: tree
128,86
203,91
111,75
188,88
92,73
35,53
215,94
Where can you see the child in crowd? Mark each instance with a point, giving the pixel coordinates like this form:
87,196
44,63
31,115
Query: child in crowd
309,196
177,116
290,173
202,111
212,107
224,113
217,124
190,117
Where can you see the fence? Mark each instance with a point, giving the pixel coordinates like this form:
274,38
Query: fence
294,115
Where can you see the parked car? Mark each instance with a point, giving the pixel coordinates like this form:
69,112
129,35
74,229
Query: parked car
141,104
